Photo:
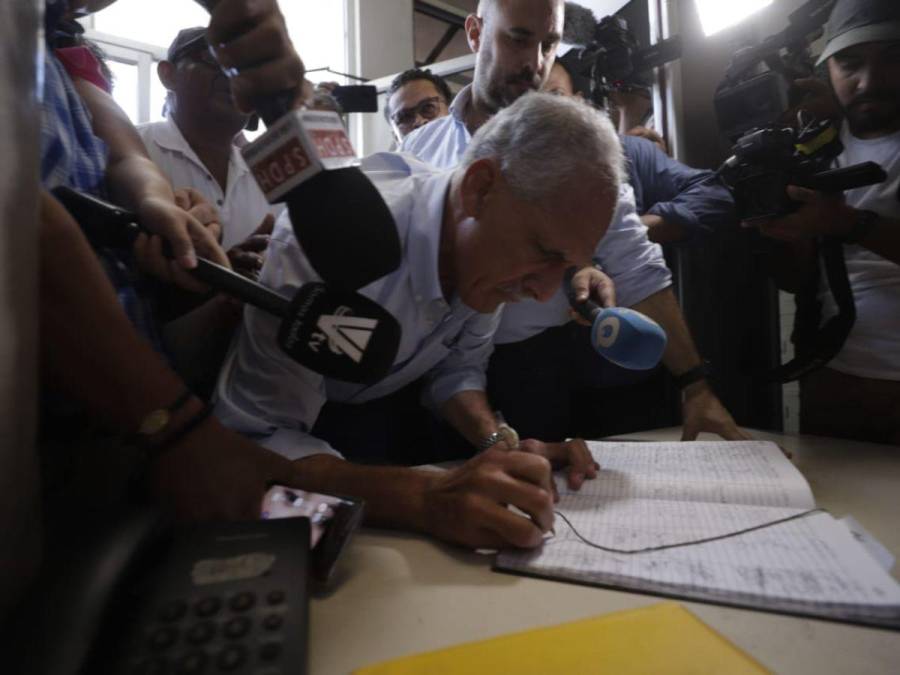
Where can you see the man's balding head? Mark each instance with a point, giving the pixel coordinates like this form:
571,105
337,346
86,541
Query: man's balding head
515,42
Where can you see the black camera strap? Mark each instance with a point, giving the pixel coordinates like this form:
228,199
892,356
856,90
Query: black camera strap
815,346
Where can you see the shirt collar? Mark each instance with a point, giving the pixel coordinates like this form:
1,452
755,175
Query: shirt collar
169,137
423,240
461,103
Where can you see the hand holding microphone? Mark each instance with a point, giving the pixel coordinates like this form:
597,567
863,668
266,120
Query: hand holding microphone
622,336
331,330
305,157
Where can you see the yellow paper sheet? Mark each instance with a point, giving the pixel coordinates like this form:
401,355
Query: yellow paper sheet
663,638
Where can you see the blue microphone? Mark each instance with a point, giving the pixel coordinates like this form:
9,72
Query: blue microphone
620,335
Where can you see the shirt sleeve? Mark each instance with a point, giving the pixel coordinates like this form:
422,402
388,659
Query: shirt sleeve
465,367
678,193
262,392
634,263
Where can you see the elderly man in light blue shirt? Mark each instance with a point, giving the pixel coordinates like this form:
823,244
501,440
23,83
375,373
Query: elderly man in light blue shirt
474,238
515,45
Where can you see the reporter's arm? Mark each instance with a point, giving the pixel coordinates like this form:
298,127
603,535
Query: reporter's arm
90,351
136,183
823,215
701,408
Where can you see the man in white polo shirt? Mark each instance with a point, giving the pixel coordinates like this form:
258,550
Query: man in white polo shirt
195,147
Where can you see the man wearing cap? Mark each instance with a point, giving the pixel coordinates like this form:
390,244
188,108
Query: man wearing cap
195,146
857,394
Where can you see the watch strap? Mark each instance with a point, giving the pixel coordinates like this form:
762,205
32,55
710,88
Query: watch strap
695,374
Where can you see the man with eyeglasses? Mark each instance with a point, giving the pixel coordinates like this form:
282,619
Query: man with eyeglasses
195,147
415,98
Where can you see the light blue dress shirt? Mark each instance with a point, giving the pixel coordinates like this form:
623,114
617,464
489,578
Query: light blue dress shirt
633,262
266,395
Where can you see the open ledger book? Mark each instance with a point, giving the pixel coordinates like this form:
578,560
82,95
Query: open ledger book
653,494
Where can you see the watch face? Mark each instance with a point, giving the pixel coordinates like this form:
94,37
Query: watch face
155,422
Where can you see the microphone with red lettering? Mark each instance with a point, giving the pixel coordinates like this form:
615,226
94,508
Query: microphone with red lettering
305,159
330,329
623,336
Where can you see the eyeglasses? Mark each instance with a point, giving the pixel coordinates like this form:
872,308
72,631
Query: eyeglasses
427,108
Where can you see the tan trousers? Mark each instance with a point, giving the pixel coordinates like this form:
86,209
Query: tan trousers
846,406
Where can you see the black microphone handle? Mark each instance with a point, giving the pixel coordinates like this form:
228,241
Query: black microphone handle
586,308
231,283
106,224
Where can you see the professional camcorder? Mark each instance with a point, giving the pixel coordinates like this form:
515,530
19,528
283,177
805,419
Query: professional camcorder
769,154
756,90
767,160
611,58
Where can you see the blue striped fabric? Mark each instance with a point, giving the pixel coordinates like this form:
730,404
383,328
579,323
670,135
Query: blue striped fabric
73,156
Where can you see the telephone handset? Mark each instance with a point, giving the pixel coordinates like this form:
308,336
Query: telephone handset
156,598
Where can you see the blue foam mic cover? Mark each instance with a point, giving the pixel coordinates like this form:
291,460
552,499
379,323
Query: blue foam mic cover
628,338
622,336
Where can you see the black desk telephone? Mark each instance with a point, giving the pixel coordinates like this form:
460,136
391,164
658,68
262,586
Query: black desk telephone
147,598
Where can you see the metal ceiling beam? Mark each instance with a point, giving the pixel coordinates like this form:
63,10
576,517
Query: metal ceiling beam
441,11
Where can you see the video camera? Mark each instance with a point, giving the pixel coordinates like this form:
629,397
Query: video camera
748,99
612,59
767,160
768,155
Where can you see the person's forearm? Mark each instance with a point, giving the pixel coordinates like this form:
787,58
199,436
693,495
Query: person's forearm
89,348
681,354
394,496
470,413
131,175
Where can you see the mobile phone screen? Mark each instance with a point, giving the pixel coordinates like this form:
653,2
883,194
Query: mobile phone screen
332,520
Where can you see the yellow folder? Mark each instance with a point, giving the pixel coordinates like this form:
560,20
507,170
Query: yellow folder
660,639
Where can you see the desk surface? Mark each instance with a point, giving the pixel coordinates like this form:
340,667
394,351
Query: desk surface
403,594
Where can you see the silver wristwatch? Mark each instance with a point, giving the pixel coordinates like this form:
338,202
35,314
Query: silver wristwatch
504,433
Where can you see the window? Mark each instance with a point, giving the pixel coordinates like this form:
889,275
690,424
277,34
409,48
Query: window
136,34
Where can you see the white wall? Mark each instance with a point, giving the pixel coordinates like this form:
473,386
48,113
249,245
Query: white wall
381,39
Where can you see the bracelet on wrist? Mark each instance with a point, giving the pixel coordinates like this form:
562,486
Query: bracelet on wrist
157,421
154,450
692,376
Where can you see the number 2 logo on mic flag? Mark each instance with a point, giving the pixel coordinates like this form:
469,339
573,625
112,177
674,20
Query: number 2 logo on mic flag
348,335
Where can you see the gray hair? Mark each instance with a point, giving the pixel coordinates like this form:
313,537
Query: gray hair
545,143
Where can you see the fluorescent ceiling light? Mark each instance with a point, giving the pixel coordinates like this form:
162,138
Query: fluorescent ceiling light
716,15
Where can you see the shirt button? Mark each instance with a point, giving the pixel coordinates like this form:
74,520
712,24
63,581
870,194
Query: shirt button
219,202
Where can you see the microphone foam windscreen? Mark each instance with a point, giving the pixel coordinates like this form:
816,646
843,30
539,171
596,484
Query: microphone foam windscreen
345,228
628,338
580,25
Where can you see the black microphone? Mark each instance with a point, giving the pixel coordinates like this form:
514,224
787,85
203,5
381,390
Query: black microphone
305,159
331,330
620,335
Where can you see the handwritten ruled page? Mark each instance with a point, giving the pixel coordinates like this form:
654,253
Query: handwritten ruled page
654,494
744,472
811,565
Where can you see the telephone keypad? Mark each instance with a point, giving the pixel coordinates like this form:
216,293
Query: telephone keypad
224,634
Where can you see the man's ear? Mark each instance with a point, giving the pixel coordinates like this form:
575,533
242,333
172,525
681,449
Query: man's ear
478,183
474,26
166,72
